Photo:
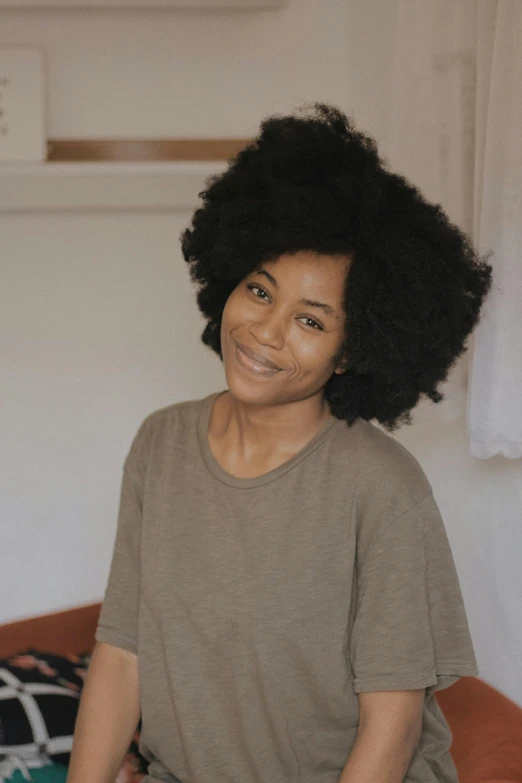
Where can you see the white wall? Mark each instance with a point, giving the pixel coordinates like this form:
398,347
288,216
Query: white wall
99,319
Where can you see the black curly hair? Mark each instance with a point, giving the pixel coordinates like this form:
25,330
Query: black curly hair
415,284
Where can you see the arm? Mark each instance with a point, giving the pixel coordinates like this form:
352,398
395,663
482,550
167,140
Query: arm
108,715
390,725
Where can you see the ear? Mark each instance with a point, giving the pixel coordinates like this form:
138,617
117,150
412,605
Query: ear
342,366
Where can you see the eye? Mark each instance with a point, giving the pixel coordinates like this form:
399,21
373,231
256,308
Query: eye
251,286
314,322
317,326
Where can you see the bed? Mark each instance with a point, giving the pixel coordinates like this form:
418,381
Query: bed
486,725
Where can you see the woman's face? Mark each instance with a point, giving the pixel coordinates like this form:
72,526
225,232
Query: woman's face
267,314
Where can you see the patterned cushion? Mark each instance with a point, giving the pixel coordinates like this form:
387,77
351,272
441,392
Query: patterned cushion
39,699
15,771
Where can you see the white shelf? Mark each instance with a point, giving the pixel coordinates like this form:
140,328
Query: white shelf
120,186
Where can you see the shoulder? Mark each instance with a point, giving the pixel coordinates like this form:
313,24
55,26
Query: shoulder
387,461
163,417
391,481
157,429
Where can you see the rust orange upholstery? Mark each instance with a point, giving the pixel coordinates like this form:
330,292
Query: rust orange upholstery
487,732
486,725
71,631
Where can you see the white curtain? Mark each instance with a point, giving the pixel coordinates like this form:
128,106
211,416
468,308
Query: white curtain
494,414
452,123
453,126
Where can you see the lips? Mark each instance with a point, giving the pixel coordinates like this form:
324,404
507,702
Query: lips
260,362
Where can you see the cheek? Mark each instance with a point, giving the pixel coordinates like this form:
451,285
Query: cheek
312,353
228,311
237,310
232,318
309,351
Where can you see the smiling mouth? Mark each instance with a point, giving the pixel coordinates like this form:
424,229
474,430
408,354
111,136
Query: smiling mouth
250,364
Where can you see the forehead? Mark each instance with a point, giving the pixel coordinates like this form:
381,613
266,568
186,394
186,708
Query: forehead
308,270
312,280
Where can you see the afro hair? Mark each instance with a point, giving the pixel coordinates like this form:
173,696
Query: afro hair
415,286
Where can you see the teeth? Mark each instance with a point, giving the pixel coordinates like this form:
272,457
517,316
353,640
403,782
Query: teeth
258,365
255,365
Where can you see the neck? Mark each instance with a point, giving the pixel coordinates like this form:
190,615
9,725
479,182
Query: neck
283,427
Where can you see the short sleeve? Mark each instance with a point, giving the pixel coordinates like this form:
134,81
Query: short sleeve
118,619
410,628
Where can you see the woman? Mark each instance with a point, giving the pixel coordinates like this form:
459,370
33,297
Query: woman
282,601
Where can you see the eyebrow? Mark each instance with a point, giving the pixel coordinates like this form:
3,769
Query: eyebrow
328,309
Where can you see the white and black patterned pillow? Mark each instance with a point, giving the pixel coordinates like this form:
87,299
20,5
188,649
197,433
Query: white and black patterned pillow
39,699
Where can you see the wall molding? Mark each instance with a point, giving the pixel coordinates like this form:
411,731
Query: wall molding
104,186
143,149
115,174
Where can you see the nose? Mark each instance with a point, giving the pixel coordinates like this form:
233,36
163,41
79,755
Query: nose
269,330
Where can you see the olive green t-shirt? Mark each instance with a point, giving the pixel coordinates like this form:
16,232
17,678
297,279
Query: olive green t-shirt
260,607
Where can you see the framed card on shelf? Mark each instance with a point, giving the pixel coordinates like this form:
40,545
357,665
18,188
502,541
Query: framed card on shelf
22,111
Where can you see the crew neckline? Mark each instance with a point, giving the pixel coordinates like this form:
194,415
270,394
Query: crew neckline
215,468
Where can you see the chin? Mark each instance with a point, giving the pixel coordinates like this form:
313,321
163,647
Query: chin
245,390
250,391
